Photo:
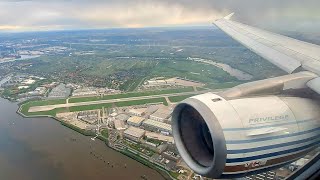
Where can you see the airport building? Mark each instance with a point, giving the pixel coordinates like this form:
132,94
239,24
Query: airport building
90,117
87,91
119,125
161,114
135,121
156,82
134,133
137,112
122,117
59,92
160,137
172,82
156,125
152,108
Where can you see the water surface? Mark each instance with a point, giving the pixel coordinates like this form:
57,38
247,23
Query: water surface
41,148
240,75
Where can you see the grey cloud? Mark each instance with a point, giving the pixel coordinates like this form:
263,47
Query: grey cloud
270,14
260,12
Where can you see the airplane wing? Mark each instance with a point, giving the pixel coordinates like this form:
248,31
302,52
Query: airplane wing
285,52
256,126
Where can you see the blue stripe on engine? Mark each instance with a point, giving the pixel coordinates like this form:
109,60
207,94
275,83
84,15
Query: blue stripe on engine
233,160
271,137
264,126
238,151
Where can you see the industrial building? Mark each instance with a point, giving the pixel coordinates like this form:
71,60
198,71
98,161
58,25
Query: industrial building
156,125
135,121
172,82
59,92
161,114
152,108
119,125
86,91
137,112
171,156
134,133
161,137
122,117
90,117
156,82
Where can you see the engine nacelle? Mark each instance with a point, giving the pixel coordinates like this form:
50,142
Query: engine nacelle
221,138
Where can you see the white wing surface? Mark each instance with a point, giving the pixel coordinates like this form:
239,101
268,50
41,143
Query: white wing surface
287,53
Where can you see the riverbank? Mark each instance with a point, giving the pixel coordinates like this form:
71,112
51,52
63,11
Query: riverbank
164,173
41,148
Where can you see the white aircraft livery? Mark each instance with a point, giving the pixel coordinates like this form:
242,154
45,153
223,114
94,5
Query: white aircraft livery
260,125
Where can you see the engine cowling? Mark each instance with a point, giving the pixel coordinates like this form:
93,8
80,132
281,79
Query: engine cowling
221,138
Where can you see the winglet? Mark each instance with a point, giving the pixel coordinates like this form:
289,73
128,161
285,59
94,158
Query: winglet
229,16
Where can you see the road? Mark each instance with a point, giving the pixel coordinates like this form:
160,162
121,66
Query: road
51,107
4,80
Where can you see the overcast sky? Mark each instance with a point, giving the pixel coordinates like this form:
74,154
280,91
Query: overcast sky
25,15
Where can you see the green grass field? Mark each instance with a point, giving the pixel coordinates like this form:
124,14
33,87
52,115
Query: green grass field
133,94
44,113
140,102
179,98
105,133
191,70
222,85
25,107
46,102
89,107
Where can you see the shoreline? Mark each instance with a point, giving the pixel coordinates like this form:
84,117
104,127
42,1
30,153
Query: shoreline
164,173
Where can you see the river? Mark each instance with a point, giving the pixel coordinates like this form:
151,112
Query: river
23,57
41,148
240,75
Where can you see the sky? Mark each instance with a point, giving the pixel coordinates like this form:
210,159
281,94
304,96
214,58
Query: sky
34,15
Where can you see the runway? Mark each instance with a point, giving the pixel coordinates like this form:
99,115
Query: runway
51,107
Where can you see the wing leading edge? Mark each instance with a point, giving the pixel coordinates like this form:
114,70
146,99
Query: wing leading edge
287,53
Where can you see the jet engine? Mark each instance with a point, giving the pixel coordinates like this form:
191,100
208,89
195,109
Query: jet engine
234,137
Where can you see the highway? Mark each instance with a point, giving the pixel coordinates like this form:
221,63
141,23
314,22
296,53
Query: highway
51,107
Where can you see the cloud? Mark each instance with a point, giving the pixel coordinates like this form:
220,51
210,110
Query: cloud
73,14
5,28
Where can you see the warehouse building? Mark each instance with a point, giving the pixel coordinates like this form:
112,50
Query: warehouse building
138,112
122,117
152,108
161,137
119,125
90,117
135,121
153,125
161,114
134,133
